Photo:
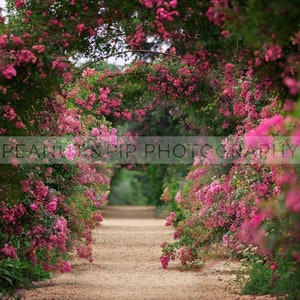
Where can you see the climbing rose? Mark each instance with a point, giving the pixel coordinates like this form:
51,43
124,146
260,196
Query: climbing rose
9,112
9,72
292,200
88,72
95,132
39,48
98,216
65,267
33,207
170,219
173,3
273,53
70,152
3,39
52,205
26,56
9,251
20,124
149,3
249,232
80,28
292,84
164,261
19,3
16,40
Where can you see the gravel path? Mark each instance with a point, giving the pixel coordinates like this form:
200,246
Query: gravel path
126,266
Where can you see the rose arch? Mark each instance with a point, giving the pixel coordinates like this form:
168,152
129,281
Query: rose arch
223,71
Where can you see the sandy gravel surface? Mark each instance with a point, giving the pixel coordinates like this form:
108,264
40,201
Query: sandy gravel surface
126,266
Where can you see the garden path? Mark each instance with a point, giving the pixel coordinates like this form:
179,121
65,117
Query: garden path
126,266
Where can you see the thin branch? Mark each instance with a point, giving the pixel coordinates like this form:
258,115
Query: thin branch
123,52
159,52
129,51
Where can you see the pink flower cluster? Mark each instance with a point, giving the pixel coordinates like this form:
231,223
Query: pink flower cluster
85,251
70,152
260,134
98,216
152,3
170,219
250,232
137,39
9,251
52,205
39,48
182,85
273,53
100,102
105,135
61,266
59,237
26,56
292,84
41,195
185,255
163,14
12,214
9,71
80,28
68,122
9,113
19,3
292,200
216,13
164,11
165,261
214,187
88,72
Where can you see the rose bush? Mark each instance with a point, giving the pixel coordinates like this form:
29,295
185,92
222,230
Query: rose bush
47,210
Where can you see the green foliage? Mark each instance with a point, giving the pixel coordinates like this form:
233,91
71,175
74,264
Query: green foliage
145,185
155,175
281,278
129,187
254,24
16,274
